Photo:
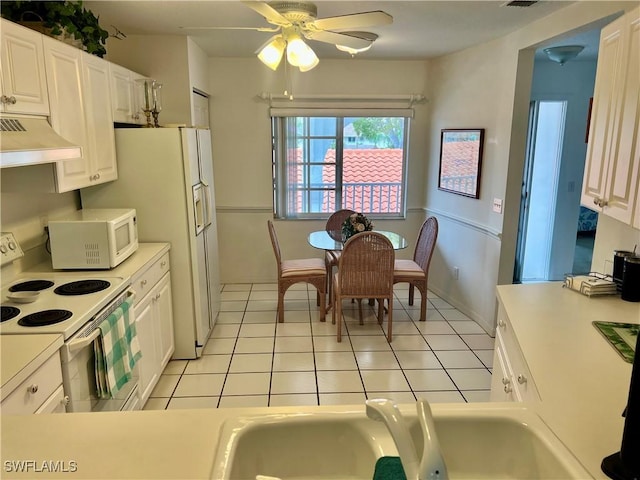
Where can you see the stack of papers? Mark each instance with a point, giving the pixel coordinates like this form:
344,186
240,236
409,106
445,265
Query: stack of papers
588,285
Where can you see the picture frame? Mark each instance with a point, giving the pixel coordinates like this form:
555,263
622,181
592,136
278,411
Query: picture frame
461,161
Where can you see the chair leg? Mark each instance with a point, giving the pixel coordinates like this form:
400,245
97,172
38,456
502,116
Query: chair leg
337,310
360,311
411,293
280,305
380,310
422,287
390,321
322,303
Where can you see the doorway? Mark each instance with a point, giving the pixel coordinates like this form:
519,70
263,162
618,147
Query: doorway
547,120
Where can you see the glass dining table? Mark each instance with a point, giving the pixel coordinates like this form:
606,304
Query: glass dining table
323,240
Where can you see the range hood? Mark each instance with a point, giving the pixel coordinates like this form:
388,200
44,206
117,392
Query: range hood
31,141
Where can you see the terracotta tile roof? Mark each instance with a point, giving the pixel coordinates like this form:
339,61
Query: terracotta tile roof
360,166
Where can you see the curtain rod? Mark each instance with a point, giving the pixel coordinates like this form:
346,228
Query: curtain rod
411,98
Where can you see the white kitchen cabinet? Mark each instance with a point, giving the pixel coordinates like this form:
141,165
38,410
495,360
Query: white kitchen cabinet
612,166
80,103
41,392
154,322
123,95
22,72
511,380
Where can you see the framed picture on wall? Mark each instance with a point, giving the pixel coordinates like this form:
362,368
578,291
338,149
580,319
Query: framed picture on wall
461,161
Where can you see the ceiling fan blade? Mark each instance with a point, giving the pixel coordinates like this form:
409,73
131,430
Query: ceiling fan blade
338,39
268,12
354,21
258,29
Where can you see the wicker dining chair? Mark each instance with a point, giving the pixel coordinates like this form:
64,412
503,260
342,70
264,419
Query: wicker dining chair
416,271
290,272
334,229
365,270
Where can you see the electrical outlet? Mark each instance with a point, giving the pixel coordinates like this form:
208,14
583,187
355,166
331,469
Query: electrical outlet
456,272
497,205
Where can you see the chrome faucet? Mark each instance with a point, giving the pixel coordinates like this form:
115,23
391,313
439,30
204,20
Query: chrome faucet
431,464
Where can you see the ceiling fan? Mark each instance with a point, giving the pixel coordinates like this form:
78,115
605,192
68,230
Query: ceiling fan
294,20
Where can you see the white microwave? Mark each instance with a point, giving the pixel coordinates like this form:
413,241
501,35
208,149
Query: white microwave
97,238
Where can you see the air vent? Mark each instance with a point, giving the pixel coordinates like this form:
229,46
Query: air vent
520,3
11,125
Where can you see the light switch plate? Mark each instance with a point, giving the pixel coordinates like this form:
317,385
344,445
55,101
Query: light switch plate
497,205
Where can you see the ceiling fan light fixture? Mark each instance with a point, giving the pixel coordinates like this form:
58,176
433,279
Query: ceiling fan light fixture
299,54
363,35
271,52
563,53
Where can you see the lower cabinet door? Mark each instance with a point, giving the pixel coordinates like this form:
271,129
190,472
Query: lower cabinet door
147,365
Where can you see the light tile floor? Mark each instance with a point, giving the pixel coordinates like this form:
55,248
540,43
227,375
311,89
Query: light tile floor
251,360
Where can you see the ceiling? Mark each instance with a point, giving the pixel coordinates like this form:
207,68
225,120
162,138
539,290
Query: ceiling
420,29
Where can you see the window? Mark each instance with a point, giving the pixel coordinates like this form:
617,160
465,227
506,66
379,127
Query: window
322,164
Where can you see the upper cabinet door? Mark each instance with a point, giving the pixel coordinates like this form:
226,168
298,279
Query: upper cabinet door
22,71
123,95
98,109
613,155
64,81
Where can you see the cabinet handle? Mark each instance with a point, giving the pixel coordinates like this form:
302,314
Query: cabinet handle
508,389
65,400
506,381
502,323
163,263
10,100
522,379
157,296
143,283
33,388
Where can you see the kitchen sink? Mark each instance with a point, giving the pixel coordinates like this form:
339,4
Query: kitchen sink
493,441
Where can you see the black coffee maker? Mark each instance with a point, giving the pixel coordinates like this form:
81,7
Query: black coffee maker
631,279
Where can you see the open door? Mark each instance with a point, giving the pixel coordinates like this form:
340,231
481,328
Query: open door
539,190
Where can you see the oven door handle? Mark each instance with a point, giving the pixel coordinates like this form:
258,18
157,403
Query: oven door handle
80,343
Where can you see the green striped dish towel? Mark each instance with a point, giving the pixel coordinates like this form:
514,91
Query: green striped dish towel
116,350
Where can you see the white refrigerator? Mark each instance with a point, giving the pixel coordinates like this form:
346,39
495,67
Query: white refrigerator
166,174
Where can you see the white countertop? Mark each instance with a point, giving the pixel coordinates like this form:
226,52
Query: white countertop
146,253
582,380
21,355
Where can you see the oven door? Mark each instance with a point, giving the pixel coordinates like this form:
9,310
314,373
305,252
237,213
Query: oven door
78,370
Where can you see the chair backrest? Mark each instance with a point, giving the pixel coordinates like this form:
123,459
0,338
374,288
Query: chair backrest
276,247
335,221
426,243
366,266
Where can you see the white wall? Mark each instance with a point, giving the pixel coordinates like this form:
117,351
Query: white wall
242,154
26,206
488,86
612,235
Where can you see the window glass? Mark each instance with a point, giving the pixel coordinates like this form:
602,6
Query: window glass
322,164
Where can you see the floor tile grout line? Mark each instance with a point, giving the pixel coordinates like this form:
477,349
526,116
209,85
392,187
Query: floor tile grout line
360,371
226,376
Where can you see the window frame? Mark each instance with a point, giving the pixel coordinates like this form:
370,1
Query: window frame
279,162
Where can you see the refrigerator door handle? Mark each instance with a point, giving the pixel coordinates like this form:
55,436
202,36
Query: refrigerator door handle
199,208
207,204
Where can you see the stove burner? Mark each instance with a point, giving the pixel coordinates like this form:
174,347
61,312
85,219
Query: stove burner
82,287
31,286
8,313
45,317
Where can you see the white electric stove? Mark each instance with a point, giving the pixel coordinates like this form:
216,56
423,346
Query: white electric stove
56,302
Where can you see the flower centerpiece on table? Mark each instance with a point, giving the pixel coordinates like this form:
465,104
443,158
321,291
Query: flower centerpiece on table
355,223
